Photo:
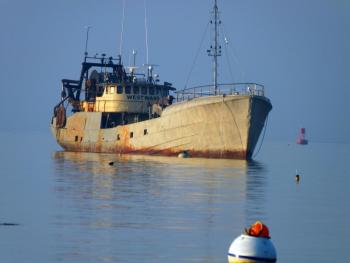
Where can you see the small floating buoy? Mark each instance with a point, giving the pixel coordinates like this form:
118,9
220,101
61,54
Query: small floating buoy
184,154
111,163
253,246
297,176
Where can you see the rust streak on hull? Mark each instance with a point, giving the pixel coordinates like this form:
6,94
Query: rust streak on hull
242,155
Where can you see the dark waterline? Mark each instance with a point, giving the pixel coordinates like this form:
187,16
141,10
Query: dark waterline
75,207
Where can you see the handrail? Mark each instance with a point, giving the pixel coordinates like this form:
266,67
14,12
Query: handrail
246,88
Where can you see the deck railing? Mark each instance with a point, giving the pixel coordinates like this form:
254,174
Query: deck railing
222,89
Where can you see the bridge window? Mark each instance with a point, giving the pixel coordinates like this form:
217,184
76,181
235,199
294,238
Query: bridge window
151,90
165,93
136,89
127,89
120,89
118,137
144,90
145,132
99,91
131,134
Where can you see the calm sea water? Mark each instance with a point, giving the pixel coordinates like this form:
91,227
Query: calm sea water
74,207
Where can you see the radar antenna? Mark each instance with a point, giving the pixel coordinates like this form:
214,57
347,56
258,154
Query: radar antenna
133,68
150,68
134,52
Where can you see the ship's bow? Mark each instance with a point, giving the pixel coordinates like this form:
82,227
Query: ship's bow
257,117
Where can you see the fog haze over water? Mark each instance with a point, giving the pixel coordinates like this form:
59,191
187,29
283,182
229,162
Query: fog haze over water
58,206
298,49
74,207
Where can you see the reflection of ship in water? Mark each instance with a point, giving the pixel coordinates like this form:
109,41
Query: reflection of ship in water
196,179
131,172
98,163
248,175
155,196
91,174
255,192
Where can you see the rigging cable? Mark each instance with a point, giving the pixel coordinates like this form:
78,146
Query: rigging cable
122,31
235,57
196,56
146,31
227,56
262,139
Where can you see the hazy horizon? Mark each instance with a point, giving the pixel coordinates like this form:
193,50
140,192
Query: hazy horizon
300,51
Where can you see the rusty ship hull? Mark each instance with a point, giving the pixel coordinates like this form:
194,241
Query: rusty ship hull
213,126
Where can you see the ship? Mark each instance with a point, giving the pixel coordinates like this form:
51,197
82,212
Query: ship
126,112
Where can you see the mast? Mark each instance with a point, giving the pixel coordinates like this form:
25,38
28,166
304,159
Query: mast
86,41
215,49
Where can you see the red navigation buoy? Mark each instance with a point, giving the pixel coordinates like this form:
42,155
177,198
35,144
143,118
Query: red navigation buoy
301,138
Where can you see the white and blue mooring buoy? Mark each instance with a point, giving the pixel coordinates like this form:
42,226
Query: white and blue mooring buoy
251,249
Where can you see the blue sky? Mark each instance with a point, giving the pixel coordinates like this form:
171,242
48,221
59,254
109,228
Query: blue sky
300,51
